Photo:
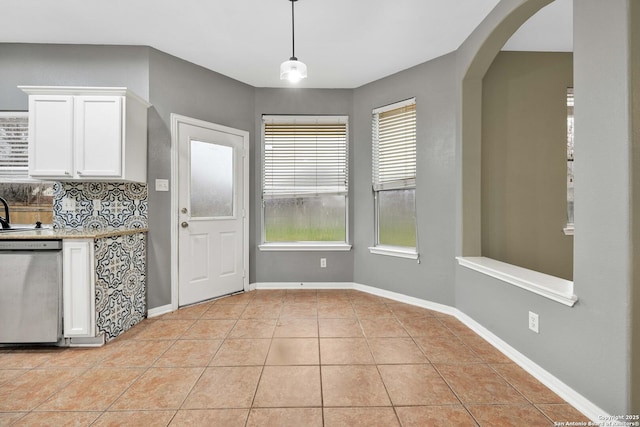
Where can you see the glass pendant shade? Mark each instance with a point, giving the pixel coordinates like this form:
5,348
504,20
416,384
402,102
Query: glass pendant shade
293,70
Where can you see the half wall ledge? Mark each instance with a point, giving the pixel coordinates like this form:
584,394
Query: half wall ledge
551,287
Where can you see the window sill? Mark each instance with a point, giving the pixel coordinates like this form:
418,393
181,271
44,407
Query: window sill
554,288
568,230
394,251
304,247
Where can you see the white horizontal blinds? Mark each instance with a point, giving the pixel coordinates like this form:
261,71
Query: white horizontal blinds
394,146
305,156
14,157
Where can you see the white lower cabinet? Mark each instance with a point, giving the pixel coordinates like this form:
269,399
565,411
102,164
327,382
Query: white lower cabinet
78,288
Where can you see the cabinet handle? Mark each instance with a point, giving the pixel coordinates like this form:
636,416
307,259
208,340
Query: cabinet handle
79,172
67,173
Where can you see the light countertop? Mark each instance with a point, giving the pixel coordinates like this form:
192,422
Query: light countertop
66,233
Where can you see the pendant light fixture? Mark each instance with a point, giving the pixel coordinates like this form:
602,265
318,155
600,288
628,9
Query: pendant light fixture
293,70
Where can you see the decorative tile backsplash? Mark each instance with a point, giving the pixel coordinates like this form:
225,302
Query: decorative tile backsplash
120,283
98,205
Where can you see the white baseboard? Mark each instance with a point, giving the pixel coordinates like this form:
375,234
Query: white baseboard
575,399
159,311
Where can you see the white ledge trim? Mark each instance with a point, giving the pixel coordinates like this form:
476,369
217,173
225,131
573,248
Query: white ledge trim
393,251
305,247
554,288
568,230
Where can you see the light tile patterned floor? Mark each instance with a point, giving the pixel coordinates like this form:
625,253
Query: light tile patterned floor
280,358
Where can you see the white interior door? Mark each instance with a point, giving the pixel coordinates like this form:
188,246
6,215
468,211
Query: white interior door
212,178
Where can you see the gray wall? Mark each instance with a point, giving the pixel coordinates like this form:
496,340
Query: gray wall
524,168
69,65
177,86
586,346
298,266
634,48
433,85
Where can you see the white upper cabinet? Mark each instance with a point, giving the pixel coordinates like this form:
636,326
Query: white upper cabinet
87,134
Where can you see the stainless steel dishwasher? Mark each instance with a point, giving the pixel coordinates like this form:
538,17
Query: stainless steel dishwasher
30,291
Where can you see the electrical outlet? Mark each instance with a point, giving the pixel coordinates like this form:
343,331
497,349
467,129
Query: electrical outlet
323,263
534,322
68,205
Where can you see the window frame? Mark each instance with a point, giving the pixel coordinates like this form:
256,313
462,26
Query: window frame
302,245
405,184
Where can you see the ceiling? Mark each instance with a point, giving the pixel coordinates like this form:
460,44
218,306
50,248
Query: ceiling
345,43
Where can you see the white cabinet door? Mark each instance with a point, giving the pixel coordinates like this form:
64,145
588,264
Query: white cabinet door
98,136
51,136
78,288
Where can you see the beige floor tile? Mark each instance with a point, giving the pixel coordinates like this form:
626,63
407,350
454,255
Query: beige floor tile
241,298
562,413
484,350
165,329
456,326
192,312
209,329
294,351
509,415
447,349
345,351
94,390
383,328
299,310
396,350
268,310
33,387
376,311
81,357
301,295
242,352
296,328
526,384
57,419
333,296
28,358
425,326
132,354
188,353
416,385
253,328
285,417
353,385
9,418
224,387
224,311
339,328
159,388
135,418
335,310
264,295
406,311
479,384
365,298
289,386
360,417
210,417
10,374
435,416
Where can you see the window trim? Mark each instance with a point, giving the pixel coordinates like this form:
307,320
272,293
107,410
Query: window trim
406,184
302,245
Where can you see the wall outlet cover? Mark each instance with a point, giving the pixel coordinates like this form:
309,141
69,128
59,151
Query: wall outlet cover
162,185
534,322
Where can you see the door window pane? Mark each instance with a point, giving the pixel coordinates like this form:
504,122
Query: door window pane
211,180
305,219
396,218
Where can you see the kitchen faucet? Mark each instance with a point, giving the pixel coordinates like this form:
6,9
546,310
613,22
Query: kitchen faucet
4,222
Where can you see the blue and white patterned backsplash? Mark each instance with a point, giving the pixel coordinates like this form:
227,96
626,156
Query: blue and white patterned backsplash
99,205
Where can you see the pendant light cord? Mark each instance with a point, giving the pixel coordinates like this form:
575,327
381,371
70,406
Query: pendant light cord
293,32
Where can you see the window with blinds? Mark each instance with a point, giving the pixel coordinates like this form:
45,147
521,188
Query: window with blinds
305,179
394,146
394,178
14,153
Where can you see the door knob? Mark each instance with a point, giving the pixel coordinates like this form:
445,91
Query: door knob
184,224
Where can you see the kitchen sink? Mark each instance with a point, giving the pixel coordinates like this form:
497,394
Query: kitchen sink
10,230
